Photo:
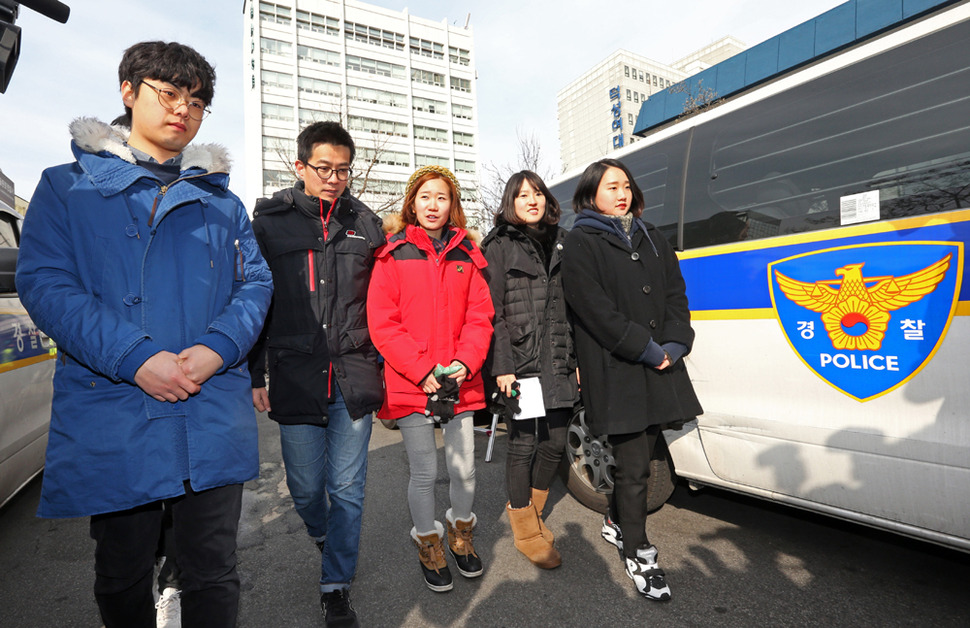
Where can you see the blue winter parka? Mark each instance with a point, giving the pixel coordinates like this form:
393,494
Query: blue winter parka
115,266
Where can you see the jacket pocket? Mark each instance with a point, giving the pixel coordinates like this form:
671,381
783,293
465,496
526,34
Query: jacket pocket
300,383
354,339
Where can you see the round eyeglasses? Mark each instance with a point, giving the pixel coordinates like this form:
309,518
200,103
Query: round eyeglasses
324,172
170,99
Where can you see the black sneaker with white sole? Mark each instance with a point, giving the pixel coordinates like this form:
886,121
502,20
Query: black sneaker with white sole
646,575
611,532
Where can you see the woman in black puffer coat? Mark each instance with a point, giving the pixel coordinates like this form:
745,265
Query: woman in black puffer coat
532,339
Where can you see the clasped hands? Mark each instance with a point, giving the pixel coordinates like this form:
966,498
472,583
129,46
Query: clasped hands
167,376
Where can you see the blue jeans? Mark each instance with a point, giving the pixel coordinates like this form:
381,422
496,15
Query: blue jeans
325,471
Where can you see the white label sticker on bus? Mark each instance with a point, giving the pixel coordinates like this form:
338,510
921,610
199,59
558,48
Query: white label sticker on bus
861,207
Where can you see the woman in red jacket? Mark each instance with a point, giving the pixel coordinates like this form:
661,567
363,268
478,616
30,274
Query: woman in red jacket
430,315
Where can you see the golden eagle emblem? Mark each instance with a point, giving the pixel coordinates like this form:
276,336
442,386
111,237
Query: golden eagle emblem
844,303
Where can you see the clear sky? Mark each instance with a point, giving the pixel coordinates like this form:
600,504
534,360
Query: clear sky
525,52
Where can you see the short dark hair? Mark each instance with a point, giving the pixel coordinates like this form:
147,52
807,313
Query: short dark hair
589,183
323,133
171,62
506,209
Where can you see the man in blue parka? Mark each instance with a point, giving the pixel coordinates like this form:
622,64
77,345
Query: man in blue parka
142,266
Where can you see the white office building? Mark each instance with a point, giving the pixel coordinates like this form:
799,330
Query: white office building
403,86
597,111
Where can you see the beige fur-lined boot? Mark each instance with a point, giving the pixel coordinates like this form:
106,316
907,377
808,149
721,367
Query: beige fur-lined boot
431,552
460,537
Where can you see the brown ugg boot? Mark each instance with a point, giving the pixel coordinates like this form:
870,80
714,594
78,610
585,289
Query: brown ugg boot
460,536
432,556
528,538
539,501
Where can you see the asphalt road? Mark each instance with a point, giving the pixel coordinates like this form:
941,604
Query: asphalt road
730,561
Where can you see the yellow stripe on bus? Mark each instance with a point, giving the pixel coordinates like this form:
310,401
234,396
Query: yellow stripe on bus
16,364
885,226
759,313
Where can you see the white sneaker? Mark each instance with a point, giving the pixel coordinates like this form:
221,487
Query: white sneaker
646,575
168,610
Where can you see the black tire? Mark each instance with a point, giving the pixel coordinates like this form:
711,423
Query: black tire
587,468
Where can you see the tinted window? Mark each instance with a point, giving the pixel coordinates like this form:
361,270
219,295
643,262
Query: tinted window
898,123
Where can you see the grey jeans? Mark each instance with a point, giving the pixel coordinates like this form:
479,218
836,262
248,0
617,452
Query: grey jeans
417,431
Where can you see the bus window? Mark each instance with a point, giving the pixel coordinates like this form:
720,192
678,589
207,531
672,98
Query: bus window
785,162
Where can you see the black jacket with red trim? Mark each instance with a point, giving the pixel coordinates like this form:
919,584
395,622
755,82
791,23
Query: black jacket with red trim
321,257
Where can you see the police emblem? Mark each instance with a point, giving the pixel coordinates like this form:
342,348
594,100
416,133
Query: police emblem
867,318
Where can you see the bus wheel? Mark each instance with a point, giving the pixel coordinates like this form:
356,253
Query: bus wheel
587,468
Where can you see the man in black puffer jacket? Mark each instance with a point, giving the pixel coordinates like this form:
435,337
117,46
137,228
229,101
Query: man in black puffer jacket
324,374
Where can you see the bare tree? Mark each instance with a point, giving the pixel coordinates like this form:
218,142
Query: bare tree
698,98
371,152
495,175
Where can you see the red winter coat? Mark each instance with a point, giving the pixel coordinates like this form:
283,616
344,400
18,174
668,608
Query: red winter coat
426,308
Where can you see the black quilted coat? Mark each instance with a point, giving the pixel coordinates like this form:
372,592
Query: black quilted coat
532,334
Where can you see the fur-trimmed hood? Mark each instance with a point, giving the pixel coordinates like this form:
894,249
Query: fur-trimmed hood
394,223
93,136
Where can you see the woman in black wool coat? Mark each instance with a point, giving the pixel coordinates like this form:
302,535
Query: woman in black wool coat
632,329
531,339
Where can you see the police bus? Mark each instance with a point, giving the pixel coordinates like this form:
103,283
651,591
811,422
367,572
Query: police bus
821,210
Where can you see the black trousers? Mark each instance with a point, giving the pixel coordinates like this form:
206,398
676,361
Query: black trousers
205,526
628,505
535,448
168,575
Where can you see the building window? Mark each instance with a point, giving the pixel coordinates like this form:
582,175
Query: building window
464,165
382,127
629,118
429,160
626,71
427,77
461,112
385,157
277,179
655,81
636,97
275,13
460,84
275,47
317,23
648,78
425,48
371,66
376,96
309,116
383,187
318,86
428,105
643,97
628,96
459,55
273,111
276,79
464,139
373,36
317,55
430,133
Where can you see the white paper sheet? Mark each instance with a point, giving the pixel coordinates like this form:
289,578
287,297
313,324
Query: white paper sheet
530,399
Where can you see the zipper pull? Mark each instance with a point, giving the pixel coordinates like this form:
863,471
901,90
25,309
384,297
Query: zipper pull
240,272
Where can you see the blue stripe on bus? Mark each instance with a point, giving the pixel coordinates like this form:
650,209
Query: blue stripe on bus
739,279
